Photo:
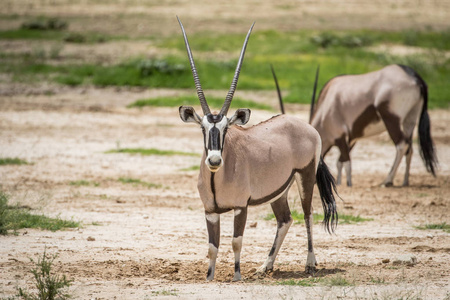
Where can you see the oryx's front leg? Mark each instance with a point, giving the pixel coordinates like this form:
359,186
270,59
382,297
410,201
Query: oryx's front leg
284,220
240,218
213,225
339,165
344,160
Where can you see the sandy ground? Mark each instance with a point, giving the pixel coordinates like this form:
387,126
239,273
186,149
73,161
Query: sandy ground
138,242
150,242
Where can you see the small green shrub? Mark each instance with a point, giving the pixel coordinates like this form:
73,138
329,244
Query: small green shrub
12,161
440,226
49,286
150,67
45,24
75,37
349,40
337,280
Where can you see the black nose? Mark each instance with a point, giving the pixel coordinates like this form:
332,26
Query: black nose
214,162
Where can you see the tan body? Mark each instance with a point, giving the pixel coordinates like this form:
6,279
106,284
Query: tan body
259,163
352,107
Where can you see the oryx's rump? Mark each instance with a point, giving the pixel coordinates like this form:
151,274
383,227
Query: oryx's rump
260,163
351,107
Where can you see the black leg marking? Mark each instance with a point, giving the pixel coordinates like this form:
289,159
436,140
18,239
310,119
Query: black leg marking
213,226
283,215
240,218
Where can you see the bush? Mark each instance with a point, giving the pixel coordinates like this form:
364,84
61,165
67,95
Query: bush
3,213
75,38
328,39
45,24
149,67
49,286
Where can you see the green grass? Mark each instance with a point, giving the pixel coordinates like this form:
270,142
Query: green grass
83,183
136,182
440,226
337,280
343,219
294,55
151,151
302,282
191,168
193,100
15,218
170,292
12,161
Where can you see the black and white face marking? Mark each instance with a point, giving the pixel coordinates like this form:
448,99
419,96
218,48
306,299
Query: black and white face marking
214,130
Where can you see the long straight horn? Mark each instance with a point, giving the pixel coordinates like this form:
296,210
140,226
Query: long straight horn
278,89
313,99
198,86
227,103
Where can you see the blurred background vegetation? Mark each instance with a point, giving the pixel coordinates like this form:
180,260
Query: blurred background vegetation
294,52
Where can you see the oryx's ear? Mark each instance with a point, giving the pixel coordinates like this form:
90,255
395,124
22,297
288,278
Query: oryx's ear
240,117
188,115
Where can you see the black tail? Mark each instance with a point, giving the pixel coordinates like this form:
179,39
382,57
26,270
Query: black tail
427,150
327,186
311,112
278,89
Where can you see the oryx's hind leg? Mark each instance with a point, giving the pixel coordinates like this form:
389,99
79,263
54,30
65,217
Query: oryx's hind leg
400,138
213,226
408,126
284,220
240,218
305,182
344,160
408,157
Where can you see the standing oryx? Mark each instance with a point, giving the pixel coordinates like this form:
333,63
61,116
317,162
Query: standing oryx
351,107
242,167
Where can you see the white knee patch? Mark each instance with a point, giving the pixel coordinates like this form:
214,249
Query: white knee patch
213,218
212,251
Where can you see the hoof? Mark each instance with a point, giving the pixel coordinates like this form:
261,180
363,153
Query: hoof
310,270
387,184
262,270
237,277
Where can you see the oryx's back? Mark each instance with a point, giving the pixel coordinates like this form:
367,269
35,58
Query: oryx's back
287,136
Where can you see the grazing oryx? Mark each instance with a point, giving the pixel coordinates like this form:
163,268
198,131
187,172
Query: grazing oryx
242,167
351,107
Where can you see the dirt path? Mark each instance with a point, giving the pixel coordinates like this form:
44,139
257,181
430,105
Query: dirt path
151,242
